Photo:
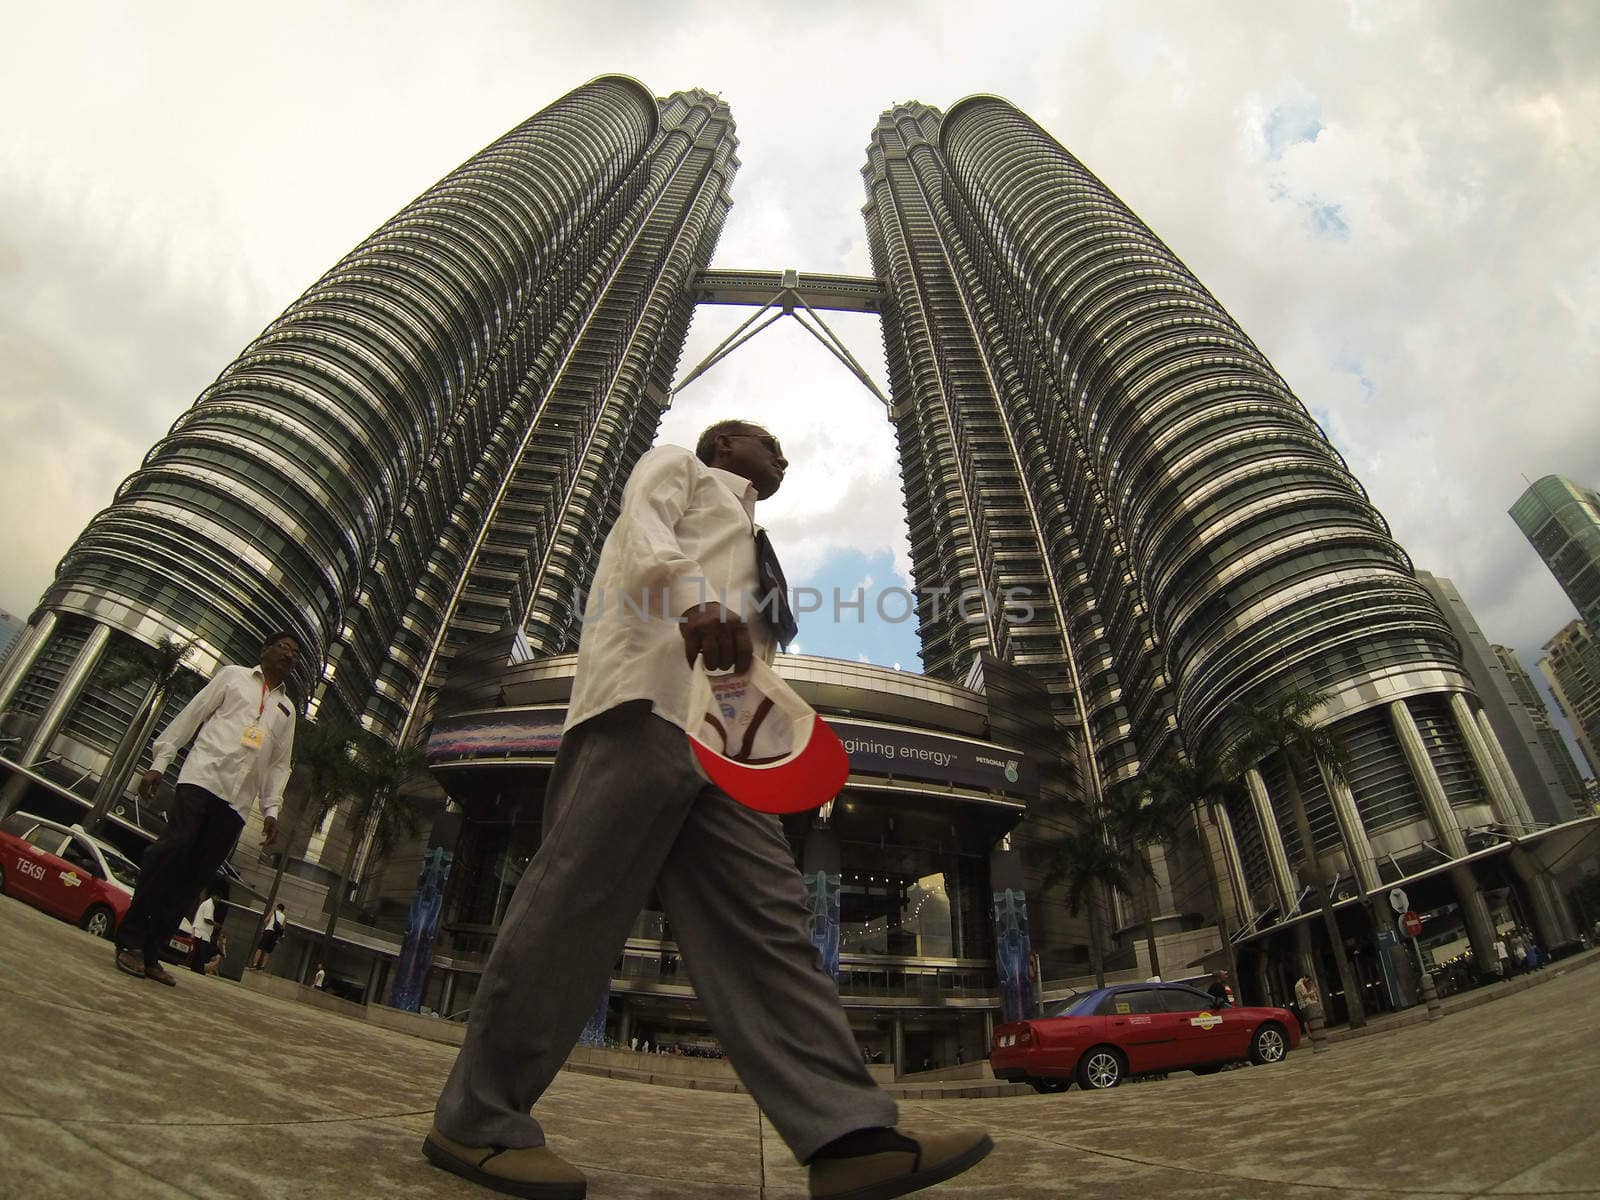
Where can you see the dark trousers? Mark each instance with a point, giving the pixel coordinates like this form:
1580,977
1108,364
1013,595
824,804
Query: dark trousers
201,831
200,955
628,810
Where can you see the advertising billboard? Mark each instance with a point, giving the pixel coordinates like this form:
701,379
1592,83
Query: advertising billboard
873,749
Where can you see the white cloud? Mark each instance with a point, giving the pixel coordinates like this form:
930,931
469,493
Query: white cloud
1421,268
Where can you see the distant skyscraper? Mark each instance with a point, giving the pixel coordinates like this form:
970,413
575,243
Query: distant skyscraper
1562,520
10,629
424,447
1571,665
1555,746
1515,725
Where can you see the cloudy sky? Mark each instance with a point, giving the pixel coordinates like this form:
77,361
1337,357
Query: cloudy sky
1397,201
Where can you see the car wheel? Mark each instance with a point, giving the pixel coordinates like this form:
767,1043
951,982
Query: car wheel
1101,1068
1048,1087
99,921
2,879
1270,1044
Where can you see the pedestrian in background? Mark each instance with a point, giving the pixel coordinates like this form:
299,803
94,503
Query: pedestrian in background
205,927
1305,995
242,726
1219,991
272,927
318,979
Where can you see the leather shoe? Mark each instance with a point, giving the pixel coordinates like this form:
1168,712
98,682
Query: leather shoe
130,962
535,1172
160,974
937,1157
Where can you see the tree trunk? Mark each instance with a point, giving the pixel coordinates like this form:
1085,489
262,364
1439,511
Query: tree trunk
125,756
287,832
356,842
1215,885
1354,1009
1150,927
1308,956
1096,956
272,899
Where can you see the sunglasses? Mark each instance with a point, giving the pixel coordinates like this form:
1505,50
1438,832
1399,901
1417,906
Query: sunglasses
766,440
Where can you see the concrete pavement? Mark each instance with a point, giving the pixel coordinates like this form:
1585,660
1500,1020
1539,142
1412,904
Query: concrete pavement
120,1088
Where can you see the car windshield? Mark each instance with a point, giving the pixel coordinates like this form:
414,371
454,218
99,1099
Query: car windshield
122,869
1073,1006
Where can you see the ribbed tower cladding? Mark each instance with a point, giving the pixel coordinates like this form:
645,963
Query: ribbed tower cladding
1263,563
427,439
1079,416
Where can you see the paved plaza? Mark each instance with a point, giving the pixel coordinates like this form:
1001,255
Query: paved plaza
120,1089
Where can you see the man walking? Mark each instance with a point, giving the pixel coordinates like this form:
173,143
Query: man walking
626,812
242,724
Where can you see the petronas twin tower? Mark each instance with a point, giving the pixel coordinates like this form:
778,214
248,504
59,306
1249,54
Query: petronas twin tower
430,444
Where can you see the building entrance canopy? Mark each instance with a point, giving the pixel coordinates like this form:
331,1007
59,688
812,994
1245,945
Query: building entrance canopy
1554,849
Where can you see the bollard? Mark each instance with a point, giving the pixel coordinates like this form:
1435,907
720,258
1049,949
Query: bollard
1430,996
1315,1027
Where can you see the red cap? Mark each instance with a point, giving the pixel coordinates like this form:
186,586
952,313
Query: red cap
758,741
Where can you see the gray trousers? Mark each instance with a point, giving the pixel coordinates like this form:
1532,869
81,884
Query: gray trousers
627,810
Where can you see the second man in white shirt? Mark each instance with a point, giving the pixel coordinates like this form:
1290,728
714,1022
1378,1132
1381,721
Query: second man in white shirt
242,725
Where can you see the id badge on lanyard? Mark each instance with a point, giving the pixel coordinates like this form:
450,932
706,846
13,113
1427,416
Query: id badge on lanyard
253,734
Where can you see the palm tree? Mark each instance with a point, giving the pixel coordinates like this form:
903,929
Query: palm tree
377,811
1200,782
324,767
1088,861
1140,817
159,667
1285,727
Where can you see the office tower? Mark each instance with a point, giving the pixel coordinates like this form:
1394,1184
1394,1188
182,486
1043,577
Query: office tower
1562,521
424,447
1568,777
11,628
1515,724
1078,415
1571,665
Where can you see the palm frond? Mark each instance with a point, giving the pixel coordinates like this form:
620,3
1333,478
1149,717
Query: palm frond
159,664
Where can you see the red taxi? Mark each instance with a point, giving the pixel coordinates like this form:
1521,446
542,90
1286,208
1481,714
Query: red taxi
65,872
1104,1036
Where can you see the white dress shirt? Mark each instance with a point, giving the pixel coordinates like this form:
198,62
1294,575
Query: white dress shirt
205,919
685,536
235,699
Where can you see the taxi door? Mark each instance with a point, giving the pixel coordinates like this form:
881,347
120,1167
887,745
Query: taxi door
1204,1034
1140,1024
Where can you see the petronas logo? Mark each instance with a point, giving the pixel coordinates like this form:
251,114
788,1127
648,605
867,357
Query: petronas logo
1011,771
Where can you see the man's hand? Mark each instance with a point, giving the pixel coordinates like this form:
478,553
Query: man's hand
269,838
717,633
148,785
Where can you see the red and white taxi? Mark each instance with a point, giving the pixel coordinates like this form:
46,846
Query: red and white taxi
65,872
1104,1036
